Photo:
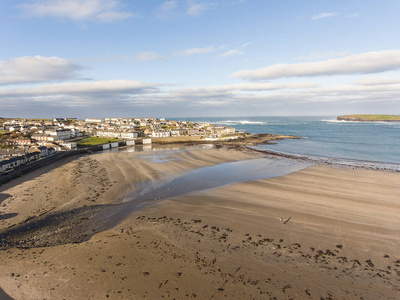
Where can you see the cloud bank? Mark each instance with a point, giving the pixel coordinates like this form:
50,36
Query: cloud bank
101,88
371,62
31,69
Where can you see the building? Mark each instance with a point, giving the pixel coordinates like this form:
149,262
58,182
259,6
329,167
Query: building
58,120
69,145
129,135
44,151
40,137
90,120
20,141
161,133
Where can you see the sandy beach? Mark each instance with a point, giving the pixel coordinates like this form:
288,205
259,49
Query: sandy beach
318,233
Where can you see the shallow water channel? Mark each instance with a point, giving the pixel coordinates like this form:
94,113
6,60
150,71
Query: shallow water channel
81,224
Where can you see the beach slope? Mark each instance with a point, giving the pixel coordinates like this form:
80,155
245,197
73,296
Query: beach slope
319,233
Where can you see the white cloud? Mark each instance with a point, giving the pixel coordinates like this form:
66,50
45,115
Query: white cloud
371,62
76,10
110,89
376,80
232,53
255,87
204,50
125,94
325,15
195,8
144,56
192,8
166,9
245,45
29,69
263,95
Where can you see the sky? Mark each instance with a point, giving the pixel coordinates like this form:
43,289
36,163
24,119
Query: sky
198,58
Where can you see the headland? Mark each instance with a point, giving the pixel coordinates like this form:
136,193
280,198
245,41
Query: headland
370,118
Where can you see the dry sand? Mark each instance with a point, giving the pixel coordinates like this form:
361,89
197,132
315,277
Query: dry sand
341,241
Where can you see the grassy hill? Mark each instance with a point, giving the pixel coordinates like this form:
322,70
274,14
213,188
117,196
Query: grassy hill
370,118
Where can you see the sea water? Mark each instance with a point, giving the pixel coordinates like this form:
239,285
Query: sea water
324,136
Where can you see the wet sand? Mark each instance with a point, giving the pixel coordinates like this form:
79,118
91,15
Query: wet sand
341,241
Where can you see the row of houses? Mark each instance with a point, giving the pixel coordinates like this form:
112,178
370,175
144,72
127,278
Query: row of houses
211,130
117,134
13,162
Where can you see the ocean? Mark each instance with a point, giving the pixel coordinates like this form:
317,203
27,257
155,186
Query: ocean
324,137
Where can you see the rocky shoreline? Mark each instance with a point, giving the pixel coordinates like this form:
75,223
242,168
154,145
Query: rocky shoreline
244,140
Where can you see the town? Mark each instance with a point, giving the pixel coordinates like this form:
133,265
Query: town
23,141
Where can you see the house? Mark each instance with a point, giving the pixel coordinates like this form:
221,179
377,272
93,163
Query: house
69,145
32,156
6,165
43,151
21,141
161,133
62,134
39,137
107,134
14,162
129,135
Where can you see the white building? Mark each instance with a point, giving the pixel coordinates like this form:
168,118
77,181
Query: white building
69,145
89,120
44,137
161,133
62,134
129,135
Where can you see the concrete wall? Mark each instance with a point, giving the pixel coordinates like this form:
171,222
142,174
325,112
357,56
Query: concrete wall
146,141
106,146
114,145
130,143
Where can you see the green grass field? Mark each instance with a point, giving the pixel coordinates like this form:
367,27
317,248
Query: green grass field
93,141
373,117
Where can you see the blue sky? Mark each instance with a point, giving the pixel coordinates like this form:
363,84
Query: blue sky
192,58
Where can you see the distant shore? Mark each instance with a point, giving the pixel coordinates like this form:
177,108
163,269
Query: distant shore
370,118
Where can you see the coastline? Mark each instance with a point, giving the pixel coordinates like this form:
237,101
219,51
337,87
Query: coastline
333,162
225,242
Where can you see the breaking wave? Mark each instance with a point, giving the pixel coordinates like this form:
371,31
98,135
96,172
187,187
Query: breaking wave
241,122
